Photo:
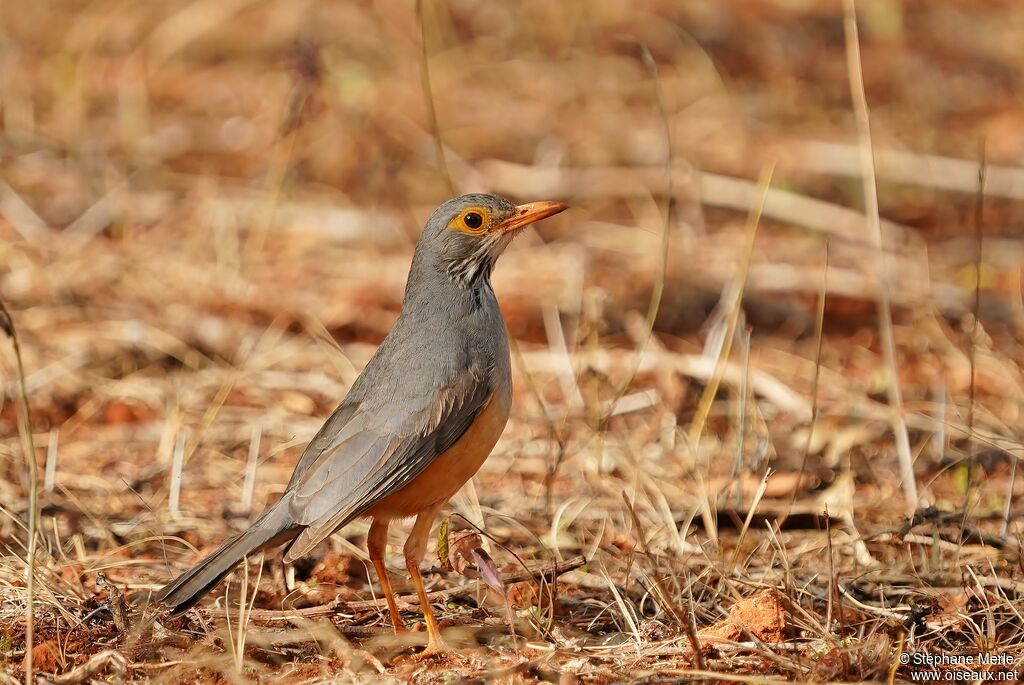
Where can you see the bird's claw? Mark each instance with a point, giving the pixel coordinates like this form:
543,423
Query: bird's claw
436,647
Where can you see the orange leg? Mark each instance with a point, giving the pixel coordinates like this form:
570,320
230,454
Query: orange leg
415,549
376,543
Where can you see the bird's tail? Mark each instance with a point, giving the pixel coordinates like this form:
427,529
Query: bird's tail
273,527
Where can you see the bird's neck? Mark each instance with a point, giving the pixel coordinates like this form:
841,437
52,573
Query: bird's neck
444,291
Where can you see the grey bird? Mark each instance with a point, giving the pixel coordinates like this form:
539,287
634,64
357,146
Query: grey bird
418,421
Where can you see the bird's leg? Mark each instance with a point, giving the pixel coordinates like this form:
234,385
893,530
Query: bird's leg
376,543
415,548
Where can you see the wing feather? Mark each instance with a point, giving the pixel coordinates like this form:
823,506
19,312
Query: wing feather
323,439
370,459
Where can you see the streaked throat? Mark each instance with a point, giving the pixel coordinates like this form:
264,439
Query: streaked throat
478,264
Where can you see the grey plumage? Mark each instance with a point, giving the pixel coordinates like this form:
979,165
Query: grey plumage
444,360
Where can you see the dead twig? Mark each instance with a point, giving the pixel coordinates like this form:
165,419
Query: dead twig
109,660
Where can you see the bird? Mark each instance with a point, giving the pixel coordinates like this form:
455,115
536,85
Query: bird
417,423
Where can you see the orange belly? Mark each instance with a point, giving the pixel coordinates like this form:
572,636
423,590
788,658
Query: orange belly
451,469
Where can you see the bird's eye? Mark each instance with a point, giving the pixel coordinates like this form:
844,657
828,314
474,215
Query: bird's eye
471,220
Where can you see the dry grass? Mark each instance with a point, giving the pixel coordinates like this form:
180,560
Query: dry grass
206,215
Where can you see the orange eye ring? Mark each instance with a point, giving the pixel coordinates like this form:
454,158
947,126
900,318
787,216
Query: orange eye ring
472,220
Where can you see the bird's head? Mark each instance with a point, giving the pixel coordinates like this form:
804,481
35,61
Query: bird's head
465,235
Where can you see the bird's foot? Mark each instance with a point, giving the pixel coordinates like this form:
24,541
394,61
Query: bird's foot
436,645
435,648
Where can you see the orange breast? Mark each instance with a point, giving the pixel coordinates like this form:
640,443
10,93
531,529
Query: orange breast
451,469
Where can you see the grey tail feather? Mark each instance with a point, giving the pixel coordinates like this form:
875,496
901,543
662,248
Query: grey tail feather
273,527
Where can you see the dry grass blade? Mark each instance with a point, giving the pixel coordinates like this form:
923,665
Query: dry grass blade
246,600
972,351
625,610
659,284
252,461
737,288
819,337
428,96
758,495
52,455
31,484
899,424
177,467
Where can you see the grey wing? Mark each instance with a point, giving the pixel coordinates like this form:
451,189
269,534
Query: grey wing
323,439
376,453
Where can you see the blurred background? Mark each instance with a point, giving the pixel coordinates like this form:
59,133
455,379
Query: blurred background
207,211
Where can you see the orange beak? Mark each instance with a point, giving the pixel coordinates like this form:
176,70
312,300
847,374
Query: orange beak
529,213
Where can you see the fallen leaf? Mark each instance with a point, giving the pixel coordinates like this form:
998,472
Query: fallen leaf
488,570
460,552
442,543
